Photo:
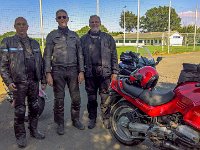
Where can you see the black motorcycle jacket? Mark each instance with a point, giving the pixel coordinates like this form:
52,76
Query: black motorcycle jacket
63,49
12,66
109,62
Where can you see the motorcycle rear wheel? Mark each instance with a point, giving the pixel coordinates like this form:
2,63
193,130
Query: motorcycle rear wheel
121,133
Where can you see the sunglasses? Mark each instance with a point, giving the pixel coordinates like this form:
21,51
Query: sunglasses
21,24
60,17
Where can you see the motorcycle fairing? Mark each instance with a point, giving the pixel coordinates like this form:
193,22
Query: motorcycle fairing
186,101
189,93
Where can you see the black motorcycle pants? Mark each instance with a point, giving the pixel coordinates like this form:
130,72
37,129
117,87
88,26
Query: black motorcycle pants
29,89
61,77
92,85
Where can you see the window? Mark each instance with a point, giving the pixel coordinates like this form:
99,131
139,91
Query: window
176,37
133,41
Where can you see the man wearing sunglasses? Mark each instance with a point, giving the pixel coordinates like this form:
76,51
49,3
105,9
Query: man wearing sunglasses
21,68
64,65
101,67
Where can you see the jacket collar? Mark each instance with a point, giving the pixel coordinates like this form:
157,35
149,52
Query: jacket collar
63,30
17,37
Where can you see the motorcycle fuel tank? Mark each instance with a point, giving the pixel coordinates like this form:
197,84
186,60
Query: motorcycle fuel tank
189,100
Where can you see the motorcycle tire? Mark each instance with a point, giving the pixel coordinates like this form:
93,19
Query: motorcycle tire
121,133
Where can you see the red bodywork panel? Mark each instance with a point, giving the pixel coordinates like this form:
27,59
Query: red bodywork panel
186,101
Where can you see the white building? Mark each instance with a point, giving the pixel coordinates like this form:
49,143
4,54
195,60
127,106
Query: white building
150,38
176,39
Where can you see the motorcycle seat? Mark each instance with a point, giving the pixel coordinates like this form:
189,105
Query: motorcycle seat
155,98
131,90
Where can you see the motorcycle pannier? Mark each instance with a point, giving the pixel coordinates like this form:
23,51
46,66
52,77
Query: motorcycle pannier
190,72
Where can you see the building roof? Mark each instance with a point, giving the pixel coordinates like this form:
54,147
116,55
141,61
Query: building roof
148,35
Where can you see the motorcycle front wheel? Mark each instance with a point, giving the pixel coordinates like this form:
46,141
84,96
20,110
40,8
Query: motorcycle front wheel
119,123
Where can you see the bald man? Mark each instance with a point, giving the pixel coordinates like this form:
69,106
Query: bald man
21,70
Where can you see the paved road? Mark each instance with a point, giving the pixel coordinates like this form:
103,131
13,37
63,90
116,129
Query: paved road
98,138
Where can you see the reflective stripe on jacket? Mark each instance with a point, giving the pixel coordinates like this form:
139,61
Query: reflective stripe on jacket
12,66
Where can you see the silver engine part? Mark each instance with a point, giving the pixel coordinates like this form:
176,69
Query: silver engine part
144,128
188,132
138,127
181,131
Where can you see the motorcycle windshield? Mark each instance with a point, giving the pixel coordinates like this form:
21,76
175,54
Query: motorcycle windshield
145,52
146,57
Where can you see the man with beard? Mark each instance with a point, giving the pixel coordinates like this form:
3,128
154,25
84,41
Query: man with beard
101,66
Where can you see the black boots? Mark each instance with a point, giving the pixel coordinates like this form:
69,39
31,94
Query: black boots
77,124
21,142
20,134
36,134
92,123
60,129
33,122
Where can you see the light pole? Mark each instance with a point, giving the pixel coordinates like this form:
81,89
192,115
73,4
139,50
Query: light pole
138,23
124,25
41,25
97,9
169,25
195,27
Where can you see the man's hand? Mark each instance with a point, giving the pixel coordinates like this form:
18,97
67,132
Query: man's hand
12,87
81,77
43,86
113,77
49,79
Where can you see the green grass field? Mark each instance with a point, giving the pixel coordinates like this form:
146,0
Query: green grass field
157,50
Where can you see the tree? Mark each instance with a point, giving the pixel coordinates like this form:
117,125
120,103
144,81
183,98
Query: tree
7,34
115,33
198,30
188,29
130,21
156,19
85,29
103,29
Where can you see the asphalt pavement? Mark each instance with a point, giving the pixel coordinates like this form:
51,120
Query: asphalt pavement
98,138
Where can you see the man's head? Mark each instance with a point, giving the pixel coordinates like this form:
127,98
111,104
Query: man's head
21,26
94,23
62,18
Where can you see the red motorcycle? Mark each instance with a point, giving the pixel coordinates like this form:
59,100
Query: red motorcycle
171,120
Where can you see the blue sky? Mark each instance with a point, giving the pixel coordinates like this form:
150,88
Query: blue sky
80,10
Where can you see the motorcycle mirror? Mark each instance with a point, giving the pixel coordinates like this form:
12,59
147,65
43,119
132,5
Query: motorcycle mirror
159,59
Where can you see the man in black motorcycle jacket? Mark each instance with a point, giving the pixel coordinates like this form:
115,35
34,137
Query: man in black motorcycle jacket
64,65
21,69
101,66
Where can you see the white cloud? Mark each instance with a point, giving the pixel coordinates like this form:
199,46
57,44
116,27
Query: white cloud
188,18
188,14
